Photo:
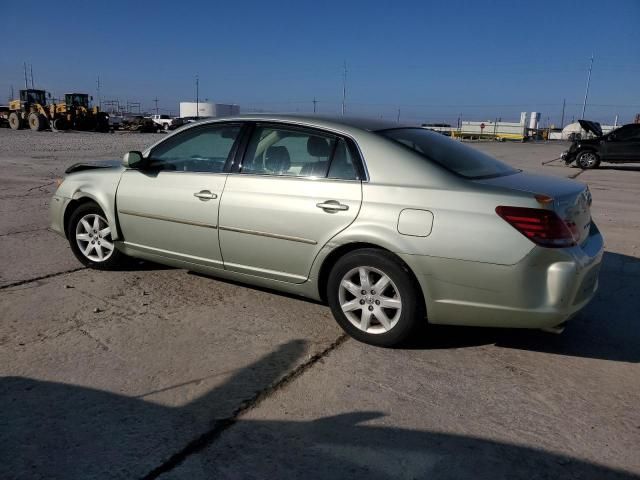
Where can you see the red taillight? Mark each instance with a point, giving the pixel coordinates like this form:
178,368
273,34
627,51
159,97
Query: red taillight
542,227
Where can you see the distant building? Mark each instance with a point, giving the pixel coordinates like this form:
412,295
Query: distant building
205,109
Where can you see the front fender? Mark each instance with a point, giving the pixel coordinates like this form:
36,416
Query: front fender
106,204
99,186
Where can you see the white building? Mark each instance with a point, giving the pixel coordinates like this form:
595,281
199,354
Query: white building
206,109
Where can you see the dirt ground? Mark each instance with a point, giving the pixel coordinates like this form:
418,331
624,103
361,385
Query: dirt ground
160,373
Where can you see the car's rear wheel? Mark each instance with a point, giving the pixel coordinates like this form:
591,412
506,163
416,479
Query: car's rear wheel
90,238
374,297
588,159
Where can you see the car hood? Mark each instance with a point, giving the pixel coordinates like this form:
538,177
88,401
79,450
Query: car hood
98,164
593,127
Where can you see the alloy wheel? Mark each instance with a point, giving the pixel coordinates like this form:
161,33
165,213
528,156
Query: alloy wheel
370,300
93,237
588,159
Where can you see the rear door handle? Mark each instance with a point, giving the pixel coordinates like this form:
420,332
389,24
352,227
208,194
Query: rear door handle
332,205
205,195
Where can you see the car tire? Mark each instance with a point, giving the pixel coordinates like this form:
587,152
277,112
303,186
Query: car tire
587,160
363,315
90,238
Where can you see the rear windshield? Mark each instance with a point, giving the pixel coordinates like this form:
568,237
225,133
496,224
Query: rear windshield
452,155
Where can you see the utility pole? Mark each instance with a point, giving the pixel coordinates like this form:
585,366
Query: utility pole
197,97
344,86
398,119
156,102
26,83
564,104
12,97
32,84
586,92
314,104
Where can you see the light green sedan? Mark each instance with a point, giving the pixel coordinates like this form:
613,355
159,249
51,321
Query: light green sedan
392,226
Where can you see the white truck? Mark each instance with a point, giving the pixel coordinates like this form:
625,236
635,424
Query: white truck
167,122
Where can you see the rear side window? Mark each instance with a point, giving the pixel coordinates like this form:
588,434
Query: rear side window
342,165
280,151
452,155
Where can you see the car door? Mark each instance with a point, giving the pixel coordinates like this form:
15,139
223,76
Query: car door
294,190
169,206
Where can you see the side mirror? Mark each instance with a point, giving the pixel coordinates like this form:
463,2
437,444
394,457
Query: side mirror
132,159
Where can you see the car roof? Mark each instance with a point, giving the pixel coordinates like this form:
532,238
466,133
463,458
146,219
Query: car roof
322,121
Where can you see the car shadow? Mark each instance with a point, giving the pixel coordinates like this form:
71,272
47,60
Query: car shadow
607,328
57,430
137,265
624,168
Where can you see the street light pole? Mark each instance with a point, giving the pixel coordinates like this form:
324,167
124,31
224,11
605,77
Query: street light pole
586,92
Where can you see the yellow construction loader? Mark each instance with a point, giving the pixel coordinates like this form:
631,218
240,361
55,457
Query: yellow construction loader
32,110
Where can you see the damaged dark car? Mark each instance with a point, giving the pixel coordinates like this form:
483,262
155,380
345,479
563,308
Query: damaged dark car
622,145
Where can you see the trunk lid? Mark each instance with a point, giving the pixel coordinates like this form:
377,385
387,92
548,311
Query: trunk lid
571,199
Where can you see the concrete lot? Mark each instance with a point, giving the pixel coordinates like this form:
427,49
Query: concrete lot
159,373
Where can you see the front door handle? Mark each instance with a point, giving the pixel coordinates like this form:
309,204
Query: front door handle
205,195
332,206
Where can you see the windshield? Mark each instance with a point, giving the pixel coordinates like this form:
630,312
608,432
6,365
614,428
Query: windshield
452,155
77,99
33,96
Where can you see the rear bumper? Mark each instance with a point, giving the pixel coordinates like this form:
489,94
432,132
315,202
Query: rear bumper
546,288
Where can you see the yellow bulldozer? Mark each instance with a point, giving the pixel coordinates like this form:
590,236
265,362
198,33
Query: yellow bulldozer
32,110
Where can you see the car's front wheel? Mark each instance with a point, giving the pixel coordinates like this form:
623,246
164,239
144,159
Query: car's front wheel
90,238
374,298
588,159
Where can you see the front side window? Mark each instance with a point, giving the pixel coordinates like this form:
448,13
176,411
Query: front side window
454,156
280,151
627,133
200,149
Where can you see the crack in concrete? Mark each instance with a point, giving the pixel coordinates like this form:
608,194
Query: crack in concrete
23,231
41,186
203,441
43,277
100,343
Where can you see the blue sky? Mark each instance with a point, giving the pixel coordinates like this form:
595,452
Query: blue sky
433,60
